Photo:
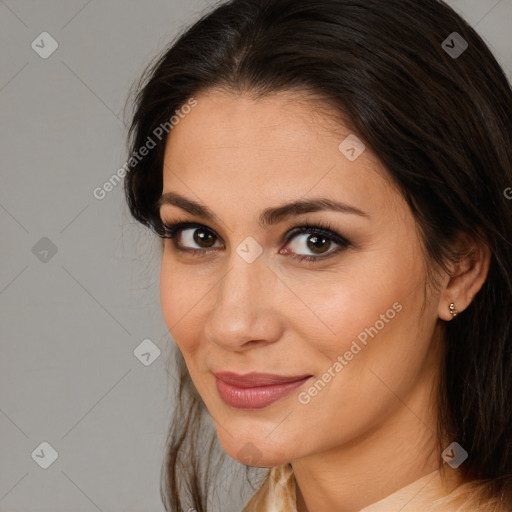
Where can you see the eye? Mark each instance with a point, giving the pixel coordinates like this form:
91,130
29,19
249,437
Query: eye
186,234
197,235
321,241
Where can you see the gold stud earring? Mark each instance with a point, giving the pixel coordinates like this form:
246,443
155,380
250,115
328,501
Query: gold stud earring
453,311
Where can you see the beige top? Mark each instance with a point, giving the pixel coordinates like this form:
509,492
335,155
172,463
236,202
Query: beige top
428,494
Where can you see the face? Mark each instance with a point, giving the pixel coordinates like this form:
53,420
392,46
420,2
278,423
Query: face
299,326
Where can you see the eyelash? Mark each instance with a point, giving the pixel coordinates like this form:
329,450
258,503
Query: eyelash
172,229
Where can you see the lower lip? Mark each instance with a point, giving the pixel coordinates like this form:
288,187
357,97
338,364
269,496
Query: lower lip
257,397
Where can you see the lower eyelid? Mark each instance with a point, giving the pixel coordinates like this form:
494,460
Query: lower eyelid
311,258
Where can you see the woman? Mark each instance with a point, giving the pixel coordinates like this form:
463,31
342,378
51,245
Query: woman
329,181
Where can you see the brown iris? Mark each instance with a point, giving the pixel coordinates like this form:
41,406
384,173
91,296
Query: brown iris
317,242
204,238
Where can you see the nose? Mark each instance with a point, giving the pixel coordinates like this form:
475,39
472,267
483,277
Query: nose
246,309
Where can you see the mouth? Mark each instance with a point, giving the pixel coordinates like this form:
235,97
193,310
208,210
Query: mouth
255,390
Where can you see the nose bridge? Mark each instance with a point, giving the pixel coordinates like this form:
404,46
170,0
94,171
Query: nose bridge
242,287
243,309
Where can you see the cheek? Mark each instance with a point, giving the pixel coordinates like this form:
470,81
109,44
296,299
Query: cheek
380,337
369,319
352,305
339,313
180,297
361,371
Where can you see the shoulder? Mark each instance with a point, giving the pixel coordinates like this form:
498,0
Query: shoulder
468,497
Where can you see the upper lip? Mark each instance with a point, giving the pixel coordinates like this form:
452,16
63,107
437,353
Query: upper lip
253,380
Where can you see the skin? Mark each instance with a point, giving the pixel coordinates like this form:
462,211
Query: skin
375,421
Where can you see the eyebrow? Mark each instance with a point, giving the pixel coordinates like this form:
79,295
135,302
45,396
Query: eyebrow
269,216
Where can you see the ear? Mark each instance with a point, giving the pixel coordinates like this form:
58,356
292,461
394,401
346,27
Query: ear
467,275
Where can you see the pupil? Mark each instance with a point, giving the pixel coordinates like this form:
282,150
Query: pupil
317,243
201,236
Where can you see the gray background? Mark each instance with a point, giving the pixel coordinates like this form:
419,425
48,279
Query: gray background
70,323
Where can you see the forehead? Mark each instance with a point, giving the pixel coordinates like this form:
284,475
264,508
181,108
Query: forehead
284,121
279,146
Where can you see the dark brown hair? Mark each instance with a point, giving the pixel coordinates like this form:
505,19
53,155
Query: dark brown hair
441,125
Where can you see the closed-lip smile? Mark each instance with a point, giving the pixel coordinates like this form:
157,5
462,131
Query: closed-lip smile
255,390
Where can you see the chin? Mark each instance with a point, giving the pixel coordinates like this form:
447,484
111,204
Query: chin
256,453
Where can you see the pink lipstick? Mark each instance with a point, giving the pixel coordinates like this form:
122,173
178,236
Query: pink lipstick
255,390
